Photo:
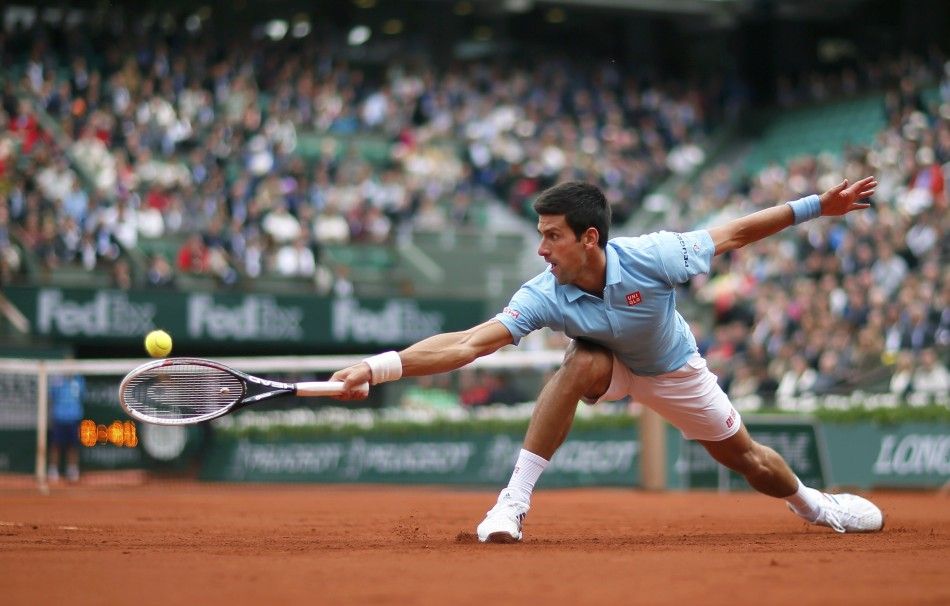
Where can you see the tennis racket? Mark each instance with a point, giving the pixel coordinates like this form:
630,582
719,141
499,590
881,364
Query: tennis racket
184,391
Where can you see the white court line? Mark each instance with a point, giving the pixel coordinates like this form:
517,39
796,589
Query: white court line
18,524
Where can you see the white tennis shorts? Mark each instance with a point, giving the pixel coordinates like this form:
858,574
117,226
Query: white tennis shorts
689,398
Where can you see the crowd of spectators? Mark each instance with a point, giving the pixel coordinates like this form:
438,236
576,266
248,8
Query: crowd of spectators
832,306
163,134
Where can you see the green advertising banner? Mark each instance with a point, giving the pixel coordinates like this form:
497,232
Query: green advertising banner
797,440
158,449
17,450
587,458
865,455
115,315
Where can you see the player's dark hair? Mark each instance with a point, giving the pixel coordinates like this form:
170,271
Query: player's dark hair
582,204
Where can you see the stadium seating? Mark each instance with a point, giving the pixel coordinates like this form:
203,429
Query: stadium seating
826,128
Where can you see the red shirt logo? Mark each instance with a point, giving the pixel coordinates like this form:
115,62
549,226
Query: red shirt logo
634,298
514,313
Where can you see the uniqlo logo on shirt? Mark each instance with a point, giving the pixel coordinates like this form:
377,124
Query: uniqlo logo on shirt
514,313
634,298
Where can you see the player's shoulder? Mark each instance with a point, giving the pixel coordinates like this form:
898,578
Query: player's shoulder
542,285
633,245
651,240
542,293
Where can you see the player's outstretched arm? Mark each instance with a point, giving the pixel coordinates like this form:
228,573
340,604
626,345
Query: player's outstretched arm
839,200
435,354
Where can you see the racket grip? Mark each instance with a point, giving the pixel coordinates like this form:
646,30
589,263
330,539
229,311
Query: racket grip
326,388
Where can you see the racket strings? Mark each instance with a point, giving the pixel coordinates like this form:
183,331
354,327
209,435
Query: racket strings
182,391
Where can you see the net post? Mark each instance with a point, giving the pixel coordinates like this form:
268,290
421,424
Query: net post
653,450
42,423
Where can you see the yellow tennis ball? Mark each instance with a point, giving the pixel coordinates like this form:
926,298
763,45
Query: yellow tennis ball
158,344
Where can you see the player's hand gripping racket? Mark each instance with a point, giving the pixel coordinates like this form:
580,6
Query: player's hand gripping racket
182,391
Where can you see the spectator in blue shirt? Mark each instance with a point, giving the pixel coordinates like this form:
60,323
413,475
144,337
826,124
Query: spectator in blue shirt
66,409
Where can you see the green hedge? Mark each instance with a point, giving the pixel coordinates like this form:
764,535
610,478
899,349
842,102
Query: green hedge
932,413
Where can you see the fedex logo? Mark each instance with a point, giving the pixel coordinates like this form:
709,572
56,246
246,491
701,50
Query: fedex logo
634,298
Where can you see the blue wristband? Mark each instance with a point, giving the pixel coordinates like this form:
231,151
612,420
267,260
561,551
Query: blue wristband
805,208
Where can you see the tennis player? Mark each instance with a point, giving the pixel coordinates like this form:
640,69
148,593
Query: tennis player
616,300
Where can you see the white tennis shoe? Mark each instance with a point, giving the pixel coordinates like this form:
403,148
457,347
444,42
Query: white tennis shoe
502,523
847,513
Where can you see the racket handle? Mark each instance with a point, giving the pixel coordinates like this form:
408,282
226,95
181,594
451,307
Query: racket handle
325,388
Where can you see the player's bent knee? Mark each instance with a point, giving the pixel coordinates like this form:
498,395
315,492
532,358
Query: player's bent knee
588,360
590,365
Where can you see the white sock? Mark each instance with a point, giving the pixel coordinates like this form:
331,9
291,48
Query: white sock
528,469
806,501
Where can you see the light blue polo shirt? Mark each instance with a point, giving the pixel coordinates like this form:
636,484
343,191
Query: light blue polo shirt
637,318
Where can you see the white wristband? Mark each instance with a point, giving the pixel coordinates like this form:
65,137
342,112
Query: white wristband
385,367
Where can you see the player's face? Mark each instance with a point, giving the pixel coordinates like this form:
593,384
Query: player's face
561,248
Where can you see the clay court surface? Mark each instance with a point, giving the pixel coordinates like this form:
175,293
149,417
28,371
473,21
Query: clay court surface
211,544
